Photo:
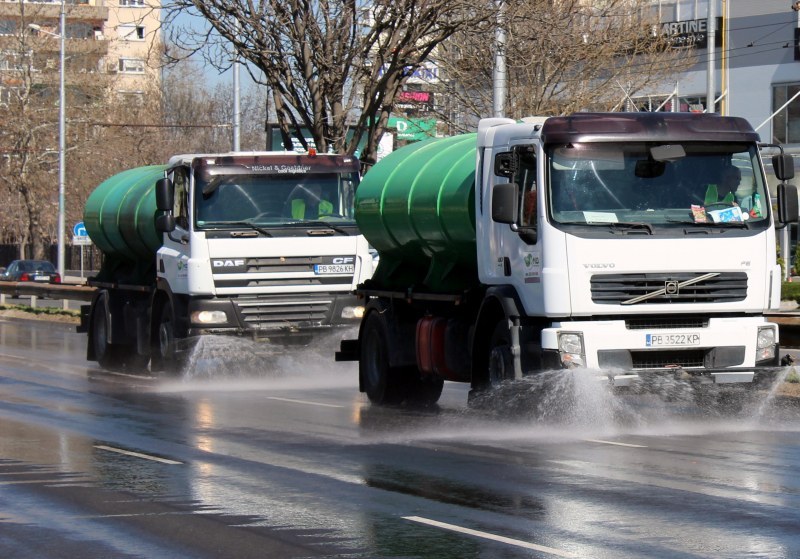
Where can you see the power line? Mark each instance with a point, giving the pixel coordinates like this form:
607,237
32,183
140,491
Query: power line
129,125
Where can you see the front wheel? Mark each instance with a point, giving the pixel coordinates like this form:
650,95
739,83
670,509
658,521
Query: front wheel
164,355
501,360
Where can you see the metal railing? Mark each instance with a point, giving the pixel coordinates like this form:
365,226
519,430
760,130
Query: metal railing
65,292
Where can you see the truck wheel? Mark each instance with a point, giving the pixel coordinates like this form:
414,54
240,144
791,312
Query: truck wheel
381,383
107,355
425,390
501,362
164,357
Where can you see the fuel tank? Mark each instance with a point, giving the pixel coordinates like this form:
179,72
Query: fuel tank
119,214
417,208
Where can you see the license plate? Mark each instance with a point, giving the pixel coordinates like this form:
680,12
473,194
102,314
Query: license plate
41,278
663,340
334,268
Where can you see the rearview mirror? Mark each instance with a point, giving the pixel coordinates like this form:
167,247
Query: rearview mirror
165,195
668,152
787,203
783,165
649,169
505,203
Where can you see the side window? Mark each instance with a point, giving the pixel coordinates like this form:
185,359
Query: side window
180,180
525,178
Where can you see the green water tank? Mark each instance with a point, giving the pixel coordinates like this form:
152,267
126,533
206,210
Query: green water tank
417,208
120,215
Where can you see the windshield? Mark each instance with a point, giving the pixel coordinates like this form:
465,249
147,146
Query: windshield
246,200
649,184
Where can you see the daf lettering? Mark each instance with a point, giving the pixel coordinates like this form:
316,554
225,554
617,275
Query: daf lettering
227,263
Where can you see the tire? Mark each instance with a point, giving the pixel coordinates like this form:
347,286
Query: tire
164,357
423,390
106,354
501,361
381,383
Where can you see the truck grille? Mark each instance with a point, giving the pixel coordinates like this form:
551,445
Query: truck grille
290,267
670,358
275,312
666,322
616,289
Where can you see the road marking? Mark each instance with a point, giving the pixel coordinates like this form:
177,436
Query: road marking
615,443
136,454
306,402
488,536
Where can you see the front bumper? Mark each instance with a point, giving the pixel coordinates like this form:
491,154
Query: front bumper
273,317
755,376
705,350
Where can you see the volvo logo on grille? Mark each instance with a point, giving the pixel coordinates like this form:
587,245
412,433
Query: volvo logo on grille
671,288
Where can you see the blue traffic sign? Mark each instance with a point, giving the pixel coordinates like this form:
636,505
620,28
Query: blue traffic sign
79,230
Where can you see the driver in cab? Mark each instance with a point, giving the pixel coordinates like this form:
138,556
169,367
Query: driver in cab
729,183
309,203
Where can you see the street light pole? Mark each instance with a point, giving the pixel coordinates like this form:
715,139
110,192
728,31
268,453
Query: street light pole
62,121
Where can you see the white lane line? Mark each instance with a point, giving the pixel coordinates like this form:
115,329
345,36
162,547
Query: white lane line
306,402
136,454
52,482
488,536
615,443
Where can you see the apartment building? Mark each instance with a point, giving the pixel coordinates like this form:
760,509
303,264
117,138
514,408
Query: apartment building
109,41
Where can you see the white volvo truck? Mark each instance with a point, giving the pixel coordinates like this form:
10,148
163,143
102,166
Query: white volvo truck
613,242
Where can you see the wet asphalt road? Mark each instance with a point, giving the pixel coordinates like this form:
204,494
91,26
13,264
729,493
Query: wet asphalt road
254,454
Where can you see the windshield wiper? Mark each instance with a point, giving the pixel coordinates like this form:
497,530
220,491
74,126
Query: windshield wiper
631,225
322,223
711,224
246,223
624,225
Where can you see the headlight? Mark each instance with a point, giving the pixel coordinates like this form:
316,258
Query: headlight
353,312
209,317
766,337
765,344
570,348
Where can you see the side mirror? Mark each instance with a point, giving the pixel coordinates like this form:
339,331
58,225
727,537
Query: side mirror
165,223
783,165
165,195
787,204
505,203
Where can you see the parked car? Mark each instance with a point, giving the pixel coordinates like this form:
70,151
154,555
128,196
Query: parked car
40,271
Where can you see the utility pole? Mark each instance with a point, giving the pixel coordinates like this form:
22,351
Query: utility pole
499,76
712,36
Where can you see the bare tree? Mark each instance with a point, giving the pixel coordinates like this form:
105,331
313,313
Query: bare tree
29,136
562,57
333,67
170,118
200,119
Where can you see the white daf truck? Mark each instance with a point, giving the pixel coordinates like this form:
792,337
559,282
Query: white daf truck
615,242
256,244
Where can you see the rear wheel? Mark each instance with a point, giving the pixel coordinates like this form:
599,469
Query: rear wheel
381,382
423,390
107,354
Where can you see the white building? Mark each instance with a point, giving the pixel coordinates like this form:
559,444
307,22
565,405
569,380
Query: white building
755,65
